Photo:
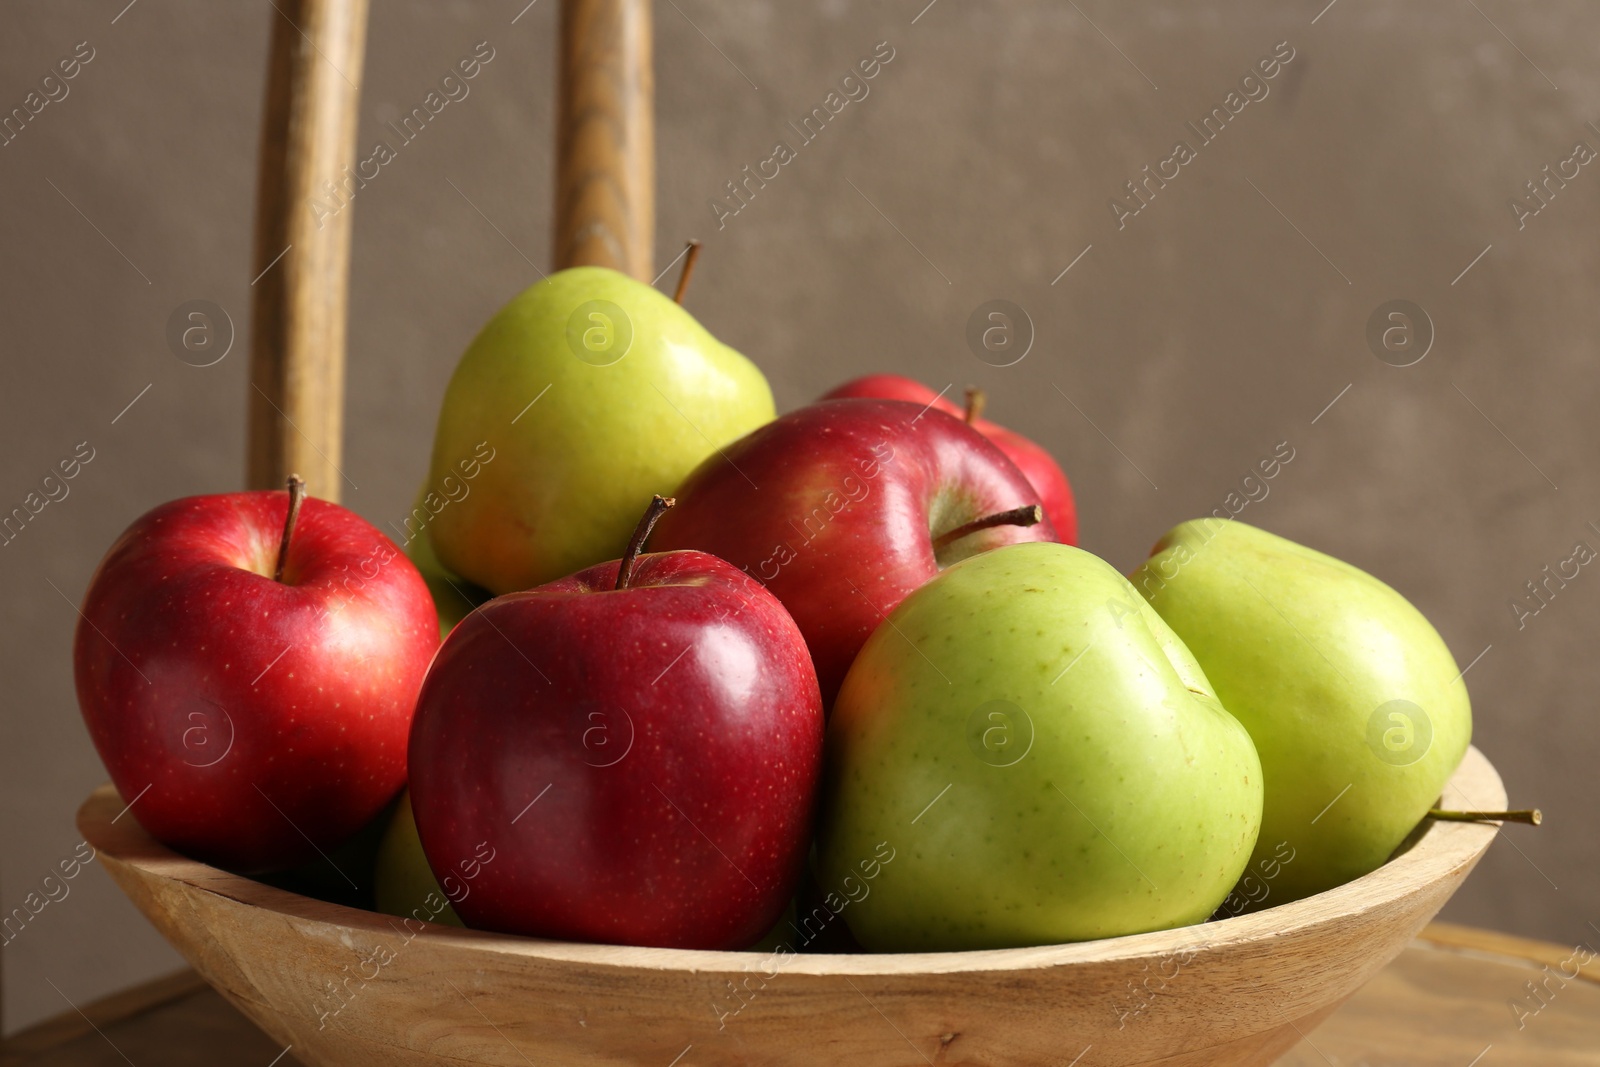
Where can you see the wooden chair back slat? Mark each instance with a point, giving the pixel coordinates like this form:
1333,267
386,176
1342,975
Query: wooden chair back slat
605,206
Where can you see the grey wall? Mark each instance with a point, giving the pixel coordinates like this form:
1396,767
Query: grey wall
1220,321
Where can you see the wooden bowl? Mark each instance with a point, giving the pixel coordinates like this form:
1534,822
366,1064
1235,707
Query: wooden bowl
348,988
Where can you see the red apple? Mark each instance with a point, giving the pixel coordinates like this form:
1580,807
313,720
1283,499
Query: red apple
253,704
843,508
627,755
1041,469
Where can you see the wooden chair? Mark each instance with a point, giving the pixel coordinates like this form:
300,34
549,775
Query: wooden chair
1262,980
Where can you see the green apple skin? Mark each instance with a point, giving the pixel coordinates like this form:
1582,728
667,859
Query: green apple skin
403,883
453,596
1134,808
569,476
1305,650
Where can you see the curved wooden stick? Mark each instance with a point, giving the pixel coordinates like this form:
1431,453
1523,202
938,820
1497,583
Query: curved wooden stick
605,164
302,243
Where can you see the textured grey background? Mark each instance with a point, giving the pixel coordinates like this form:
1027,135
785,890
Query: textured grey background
1196,339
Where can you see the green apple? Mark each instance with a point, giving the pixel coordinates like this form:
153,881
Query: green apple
581,398
1023,754
403,883
453,596
1355,704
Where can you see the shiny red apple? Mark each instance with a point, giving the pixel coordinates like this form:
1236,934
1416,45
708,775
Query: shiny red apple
251,703
843,508
627,755
1041,469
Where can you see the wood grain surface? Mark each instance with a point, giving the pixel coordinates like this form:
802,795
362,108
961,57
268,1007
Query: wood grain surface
605,152
1239,991
1441,1003
1448,1001
304,208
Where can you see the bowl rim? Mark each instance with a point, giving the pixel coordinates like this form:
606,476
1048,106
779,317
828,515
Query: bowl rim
1440,851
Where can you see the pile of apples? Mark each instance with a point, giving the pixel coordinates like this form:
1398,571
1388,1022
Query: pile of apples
861,690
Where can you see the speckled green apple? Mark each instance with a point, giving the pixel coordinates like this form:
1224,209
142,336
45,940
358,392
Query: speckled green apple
1355,704
594,392
1044,756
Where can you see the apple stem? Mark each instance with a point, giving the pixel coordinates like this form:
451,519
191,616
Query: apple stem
975,402
688,269
641,534
1023,516
297,496
1530,816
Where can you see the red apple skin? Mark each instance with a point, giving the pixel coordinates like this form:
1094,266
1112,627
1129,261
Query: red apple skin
255,721
1041,469
851,494
668,737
